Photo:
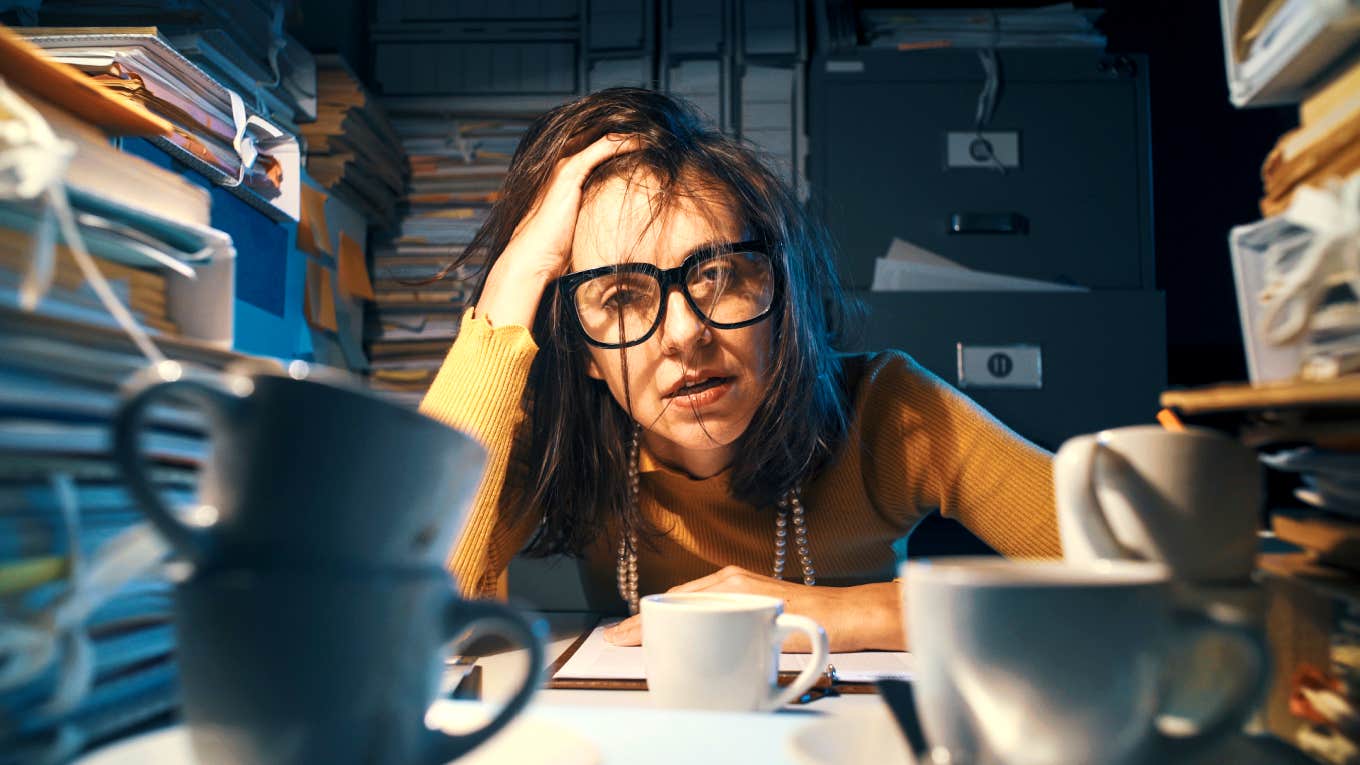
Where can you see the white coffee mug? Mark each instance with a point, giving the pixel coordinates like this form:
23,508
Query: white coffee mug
1189,499
721,651
1045,662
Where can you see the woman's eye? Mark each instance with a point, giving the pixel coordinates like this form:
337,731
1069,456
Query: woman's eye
717,273
621,298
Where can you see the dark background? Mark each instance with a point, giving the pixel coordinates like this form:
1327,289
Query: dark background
1206,155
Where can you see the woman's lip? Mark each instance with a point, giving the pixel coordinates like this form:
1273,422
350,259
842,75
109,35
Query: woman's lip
705,397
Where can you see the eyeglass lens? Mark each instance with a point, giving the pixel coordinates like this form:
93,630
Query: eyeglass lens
729,288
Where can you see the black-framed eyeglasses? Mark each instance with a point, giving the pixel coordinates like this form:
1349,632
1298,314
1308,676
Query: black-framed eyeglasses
727,285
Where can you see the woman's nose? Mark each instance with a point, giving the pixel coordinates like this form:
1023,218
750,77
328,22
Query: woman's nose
682,328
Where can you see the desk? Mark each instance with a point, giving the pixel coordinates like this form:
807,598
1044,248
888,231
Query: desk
627,732
618,727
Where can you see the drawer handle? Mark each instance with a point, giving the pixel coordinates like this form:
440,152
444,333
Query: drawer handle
988,223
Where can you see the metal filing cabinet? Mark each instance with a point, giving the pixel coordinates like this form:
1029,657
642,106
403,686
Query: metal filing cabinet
1103,354
891,136
1079,189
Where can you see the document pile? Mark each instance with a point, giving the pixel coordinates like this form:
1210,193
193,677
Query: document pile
1298,286
909,268
240,43
457,169
1298,269
1325,146
1275,51
86,645
352,149
216,131
1059,25
154,247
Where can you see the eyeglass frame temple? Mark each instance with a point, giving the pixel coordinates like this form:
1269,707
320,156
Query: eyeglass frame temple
667,278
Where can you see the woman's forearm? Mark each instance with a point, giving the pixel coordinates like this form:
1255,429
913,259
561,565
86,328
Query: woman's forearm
872,618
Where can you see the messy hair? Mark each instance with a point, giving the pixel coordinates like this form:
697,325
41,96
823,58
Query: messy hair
576,431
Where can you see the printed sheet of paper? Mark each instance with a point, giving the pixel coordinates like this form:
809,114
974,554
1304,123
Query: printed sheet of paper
598,659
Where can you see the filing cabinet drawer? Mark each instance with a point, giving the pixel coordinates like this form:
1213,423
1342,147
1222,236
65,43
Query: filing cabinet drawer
1101,355
892,141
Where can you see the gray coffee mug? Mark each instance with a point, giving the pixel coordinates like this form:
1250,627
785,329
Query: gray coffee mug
295,667
1028,662
307,465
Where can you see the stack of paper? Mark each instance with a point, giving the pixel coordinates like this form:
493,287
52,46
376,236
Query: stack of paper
215,52
457,169
1059,25
1275,51
63,507
909,268
352,149
216,130
244,37
84,607
1324,147
1331,479
152,245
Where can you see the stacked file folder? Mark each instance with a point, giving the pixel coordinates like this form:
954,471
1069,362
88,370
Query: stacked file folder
352,149
457,170
154,246
241,42
1277,52
1324,147
87,653
78,571
217,131
1298,289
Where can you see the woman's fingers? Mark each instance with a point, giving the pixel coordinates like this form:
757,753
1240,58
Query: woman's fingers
626,632
723,578
576,168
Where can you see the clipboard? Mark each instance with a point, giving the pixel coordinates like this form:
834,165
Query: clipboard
826,685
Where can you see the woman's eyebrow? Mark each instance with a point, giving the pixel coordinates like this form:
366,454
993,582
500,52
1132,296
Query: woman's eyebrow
708,247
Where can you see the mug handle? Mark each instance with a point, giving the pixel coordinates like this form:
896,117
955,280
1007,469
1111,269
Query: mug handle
784,626
212,392
446,747
1235,710
1087,535
1084,530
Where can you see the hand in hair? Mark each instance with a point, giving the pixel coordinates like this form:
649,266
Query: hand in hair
540,248
863,618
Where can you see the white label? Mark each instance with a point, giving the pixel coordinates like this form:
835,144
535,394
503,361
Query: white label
969,148
1000,366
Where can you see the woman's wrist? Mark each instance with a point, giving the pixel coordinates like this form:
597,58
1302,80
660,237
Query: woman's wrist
878,616
511,294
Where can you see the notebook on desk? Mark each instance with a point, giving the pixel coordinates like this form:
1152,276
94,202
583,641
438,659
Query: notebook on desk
593,663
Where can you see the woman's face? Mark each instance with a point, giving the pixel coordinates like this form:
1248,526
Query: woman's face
693,388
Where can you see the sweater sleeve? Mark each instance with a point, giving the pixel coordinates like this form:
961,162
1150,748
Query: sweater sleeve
943,450
480,390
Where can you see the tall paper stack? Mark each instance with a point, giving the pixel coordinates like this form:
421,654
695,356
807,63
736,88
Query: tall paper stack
88,649
352,149
457,169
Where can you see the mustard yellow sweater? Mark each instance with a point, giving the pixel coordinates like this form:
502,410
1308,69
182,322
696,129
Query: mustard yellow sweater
914,444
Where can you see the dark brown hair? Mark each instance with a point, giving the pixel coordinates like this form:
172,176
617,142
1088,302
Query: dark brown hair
577,434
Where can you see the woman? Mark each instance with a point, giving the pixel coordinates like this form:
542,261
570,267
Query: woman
679,415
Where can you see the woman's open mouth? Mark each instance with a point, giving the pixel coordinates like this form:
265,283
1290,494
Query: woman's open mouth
703,392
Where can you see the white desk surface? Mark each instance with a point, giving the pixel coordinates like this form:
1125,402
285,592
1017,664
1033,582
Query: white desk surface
501,674
715,738
608,727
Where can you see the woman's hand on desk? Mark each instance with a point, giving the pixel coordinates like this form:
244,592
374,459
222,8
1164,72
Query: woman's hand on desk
866,617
